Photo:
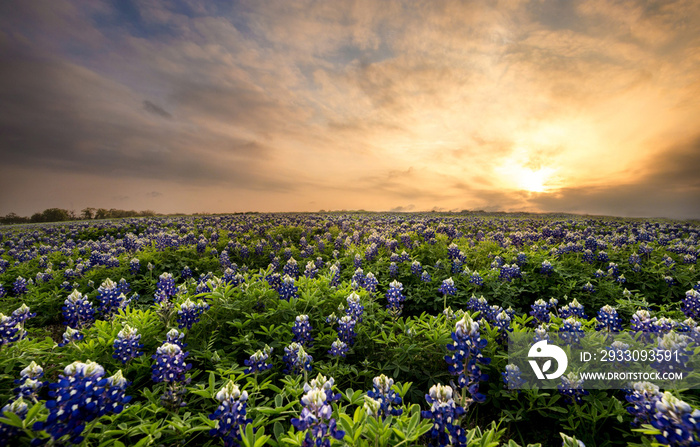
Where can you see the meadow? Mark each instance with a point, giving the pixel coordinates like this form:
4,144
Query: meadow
354,329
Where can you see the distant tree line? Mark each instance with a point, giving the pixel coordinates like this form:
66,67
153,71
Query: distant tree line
60,215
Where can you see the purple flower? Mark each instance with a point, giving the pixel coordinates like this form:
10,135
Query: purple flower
571,388
170,368
464,362
70,335
257,361
448,287
395,298
608,320
230,415
445,414
387,398
80,396
316,416
127,345
302,331
297,359
338,348
77,311
190,312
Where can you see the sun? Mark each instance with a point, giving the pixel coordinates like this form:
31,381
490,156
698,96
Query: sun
533,180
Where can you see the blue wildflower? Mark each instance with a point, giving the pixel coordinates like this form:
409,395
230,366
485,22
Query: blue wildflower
287,289
512,377
691,304
7,432
608,320
9,330
70,335
80,396
387,398
190,312
302,331
110,298
346,330
571,388
77,311
176,337
338,348
257,361
571,332
416,268
678,422
127,345
370,283
448,287
642,397
464,362
395,298
573,309
230,415
540,311
165,287
316,416
445,414
546,268
425,276
170,368
297,359
354,309
20,286
28,383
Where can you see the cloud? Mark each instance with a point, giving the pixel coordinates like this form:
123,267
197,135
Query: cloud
154,194
401,208
156,110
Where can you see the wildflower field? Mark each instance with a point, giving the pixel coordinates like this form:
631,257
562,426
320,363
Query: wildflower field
349,329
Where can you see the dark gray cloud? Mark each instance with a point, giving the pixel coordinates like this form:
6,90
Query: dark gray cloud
156,110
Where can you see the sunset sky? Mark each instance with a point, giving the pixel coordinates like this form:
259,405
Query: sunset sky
197,106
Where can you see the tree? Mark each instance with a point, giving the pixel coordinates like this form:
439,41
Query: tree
88,213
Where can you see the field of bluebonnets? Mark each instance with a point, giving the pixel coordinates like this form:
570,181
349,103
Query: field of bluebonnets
333,329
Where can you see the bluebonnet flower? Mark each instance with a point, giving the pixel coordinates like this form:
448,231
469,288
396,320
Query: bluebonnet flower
335,275
302,331
201,244
338,348
571,388
546,268
476,279
346,330
3,292
190,312
176,337
691,304
512,377
540,311
358,278
291,268
316,416
445,414
508,272
588,256
170,368
332,319
370,283
669,280
573,309
613,270
675,344
134,266
387,398
354,309
311,270
297,359
642,321
22,314
395,298
257,361
425,276
570,331
603,256
467,345
501,321
642,397
599,273
448,287
678,422
453,251
110,298
8,432
80,396
8,330
357,261
230,415
20,286
165,287
588,287
608,320
65,285
287,289
617,350
393,270
70,335
127,345
416,268
28,383
621,279
124,286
